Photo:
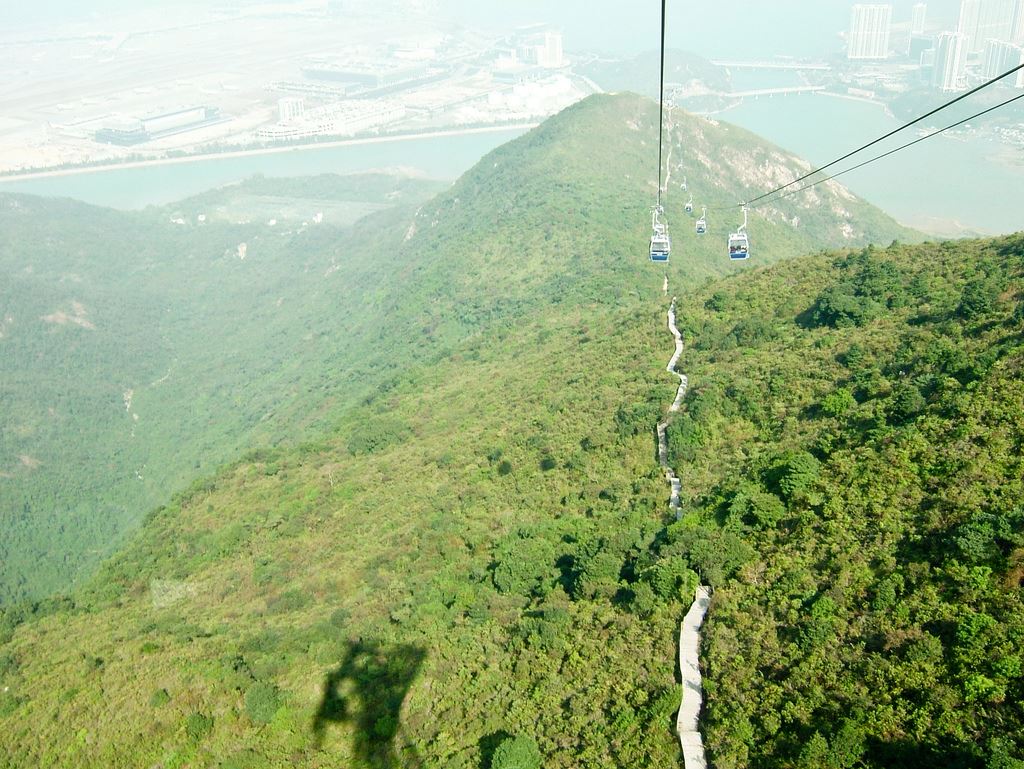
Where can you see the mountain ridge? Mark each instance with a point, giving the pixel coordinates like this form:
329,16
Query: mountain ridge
546,194
479,544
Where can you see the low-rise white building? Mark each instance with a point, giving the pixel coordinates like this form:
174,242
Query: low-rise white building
343,119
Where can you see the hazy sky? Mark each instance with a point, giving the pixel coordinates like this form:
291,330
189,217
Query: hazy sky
760,27
620,27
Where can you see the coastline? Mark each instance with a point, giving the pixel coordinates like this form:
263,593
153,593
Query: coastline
78,170
862,99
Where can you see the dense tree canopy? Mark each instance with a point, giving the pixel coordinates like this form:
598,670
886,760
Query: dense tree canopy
498,558
876,617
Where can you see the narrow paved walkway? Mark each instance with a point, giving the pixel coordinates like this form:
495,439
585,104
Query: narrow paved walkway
687,720
689,670
670,476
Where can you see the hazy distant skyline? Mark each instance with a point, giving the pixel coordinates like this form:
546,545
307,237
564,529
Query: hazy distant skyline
793,27
734,27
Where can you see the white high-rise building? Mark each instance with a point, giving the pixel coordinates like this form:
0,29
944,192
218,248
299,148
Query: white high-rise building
996,20
982,20
541,48
967,23
950,62
1017,36
999,57
550,53
289,109
917,20
869,32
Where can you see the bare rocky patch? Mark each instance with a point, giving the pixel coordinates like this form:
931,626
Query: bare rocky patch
29,462
77,317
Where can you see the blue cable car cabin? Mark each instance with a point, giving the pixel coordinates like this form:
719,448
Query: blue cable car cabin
660,245
739,243
739,246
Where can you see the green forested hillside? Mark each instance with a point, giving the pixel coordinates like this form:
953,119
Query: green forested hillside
137,354
477,547
853,439
140,354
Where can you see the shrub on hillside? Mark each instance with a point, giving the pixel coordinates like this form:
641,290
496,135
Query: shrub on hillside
377,434
159,697
838,402
261,702
517,753
198,725
839,306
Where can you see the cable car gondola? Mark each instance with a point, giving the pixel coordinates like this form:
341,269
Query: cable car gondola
739,246
661,244
689,205
702,223
739,243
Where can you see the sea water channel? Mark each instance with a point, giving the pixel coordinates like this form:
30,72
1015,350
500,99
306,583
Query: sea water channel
438,157
946,186
949,185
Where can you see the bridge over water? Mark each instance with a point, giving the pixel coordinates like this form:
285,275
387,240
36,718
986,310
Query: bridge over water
777,91
785,65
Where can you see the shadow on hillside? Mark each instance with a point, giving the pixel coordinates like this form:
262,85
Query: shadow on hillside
367,690
488,745
911,755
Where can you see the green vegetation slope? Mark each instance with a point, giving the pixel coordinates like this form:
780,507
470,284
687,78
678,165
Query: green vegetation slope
467,552
137,353
852,445
140,354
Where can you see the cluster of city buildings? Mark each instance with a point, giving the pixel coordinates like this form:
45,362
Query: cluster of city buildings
364,91
345,118
353,95
987,41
